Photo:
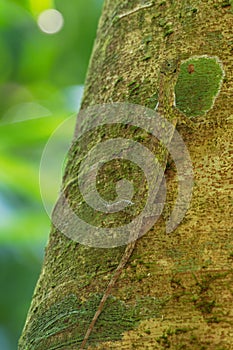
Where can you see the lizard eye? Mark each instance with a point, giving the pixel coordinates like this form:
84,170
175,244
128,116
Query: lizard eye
169,66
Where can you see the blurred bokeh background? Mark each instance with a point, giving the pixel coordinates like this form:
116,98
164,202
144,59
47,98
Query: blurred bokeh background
43,61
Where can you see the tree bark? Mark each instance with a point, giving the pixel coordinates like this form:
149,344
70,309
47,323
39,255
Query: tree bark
176,291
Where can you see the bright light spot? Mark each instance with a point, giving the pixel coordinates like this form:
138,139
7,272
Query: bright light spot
73,95
50,21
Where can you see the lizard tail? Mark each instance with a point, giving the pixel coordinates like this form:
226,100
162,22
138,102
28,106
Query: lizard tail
128,251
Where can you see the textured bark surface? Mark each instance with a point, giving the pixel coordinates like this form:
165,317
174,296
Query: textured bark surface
176,292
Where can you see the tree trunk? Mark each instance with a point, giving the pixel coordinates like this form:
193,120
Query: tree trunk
176,290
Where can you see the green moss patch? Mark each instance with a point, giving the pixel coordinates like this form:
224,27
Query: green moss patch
198,85
65,322
227,3
48,323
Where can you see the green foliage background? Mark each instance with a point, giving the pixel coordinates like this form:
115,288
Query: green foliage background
41,78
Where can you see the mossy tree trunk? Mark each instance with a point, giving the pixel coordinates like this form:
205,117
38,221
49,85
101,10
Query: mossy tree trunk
176,291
